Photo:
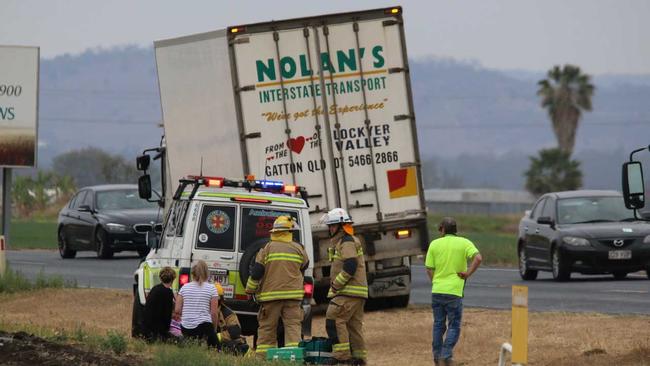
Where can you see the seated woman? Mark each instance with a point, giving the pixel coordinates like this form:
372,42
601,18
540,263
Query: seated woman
159,307
197,306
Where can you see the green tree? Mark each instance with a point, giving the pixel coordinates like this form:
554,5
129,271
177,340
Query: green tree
566,92
553,171
91,166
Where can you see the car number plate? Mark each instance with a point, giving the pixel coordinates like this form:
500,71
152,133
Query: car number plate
220,276
620,254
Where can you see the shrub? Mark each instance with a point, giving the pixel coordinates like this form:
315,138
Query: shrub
115,342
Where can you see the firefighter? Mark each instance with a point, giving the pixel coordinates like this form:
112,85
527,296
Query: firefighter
276,281
348,289
228,328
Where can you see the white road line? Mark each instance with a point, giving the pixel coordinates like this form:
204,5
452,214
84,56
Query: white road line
626,291
27,262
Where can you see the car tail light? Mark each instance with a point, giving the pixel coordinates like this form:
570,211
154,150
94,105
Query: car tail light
309,289
403,234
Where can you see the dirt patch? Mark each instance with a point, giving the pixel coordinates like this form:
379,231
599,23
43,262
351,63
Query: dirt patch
20,349
394,337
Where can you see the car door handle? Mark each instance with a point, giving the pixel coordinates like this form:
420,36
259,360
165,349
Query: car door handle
226,257
526,228
536,231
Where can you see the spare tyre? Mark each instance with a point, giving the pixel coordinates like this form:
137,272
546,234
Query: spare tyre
248,259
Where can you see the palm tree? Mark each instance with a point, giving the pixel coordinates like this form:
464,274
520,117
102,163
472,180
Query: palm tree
566,92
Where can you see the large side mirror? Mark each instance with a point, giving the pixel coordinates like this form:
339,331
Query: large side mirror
85,208
142,162
633,186
545,220
144,187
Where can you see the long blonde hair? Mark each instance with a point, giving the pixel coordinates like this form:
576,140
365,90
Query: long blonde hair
200,272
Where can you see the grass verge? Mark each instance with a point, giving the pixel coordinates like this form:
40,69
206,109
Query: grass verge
393,337
33,234
14,281
494,236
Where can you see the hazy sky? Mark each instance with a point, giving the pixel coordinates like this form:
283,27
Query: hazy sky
602,36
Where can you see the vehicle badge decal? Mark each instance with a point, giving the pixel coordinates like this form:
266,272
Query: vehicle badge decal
218,222
203,237
627,230
618,242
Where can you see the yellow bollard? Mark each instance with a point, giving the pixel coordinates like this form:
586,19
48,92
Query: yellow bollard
3,259
519,325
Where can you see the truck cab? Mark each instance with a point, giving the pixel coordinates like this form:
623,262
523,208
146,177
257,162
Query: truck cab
224,223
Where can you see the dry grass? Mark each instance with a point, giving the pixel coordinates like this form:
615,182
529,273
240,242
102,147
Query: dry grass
16,148
395,337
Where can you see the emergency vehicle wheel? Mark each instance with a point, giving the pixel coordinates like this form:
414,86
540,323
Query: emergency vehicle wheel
64,251
101,244
137,316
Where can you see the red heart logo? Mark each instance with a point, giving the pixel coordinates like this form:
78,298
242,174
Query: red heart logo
296,144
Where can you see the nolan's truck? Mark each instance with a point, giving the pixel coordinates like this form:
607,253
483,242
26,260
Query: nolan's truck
320,102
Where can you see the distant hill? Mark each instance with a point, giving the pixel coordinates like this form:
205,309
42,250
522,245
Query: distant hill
475,123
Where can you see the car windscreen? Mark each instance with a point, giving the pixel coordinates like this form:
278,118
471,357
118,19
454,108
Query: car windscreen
122,199
256,223
592,209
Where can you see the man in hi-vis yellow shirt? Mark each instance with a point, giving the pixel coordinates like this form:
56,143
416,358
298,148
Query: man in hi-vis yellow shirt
446,264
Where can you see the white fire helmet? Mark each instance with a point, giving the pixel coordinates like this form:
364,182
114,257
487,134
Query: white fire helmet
336,216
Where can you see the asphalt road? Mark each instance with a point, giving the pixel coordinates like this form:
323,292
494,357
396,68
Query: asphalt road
489,287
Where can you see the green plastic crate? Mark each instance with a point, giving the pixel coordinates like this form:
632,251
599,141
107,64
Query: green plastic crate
293,354
318,351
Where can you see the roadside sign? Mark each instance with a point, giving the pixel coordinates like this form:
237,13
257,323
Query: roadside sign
520,325
18,106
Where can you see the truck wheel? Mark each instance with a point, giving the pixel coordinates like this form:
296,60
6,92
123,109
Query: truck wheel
137,317
101,244
248,259
401,301
64,251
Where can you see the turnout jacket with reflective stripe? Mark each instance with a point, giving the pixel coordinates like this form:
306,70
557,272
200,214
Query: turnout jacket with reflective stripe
284,264
346,247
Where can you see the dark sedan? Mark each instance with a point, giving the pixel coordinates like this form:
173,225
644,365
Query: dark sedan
589,232
107,219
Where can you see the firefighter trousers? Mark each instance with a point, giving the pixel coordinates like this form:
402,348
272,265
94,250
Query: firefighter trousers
344,324
268,318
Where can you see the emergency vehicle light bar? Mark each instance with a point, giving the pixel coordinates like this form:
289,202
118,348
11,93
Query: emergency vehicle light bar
271,186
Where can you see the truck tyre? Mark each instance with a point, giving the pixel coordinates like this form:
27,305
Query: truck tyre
101,244
137,317
401,301
64,251
525,272
248,259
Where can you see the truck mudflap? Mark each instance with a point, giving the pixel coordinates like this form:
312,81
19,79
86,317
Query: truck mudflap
389,283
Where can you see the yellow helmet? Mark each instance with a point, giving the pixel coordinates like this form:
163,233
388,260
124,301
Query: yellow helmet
219,288
284,223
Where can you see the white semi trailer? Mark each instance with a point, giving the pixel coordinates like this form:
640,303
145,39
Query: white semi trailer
322,102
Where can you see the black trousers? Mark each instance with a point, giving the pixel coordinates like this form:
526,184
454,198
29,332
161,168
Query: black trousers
203,331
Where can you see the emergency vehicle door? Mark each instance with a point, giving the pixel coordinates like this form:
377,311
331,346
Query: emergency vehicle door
214,242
